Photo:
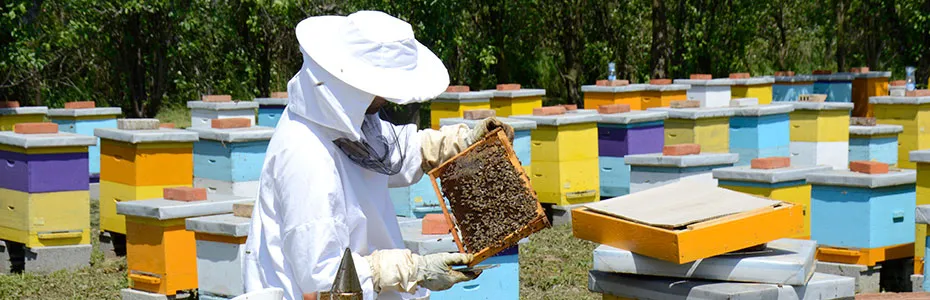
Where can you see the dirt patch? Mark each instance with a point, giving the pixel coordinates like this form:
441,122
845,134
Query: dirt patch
488,196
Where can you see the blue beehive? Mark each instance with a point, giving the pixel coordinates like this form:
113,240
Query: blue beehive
83,121
230,160
760,131
788,88
837,87
862,211
874,143
622,134
270,110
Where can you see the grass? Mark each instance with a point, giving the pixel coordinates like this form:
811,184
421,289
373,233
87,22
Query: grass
177,114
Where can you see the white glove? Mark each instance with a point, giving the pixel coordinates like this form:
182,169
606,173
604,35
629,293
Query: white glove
437,146
401,271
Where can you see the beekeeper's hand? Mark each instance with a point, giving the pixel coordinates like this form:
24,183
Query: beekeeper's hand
437,146
401,271
490,124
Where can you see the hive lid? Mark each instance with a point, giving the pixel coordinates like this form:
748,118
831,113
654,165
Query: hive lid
668,87
754,80
680,204
161,135
683,161
796,78
747,173
696,113
855,179
899,100
45,140
873,74
820,286
822,106
83,112
763,110
875,130
233,105
225,225
271,101
784,261
711,82
632,117
517,124
558,120
478,96
162,209
834,77
614,89
235,135
25,110
518,93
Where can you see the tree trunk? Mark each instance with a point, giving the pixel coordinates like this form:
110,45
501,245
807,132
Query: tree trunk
782,36
659,51
840,12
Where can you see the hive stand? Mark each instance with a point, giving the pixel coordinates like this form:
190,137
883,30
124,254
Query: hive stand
220,250
867,85
622,134
786,184
270,110
620,286
788,88
137,165
867,278
756,87
454,105
161,254
45,223
912,113
760,131
595,96
202,112
662,95
711,93
83,122
16,115
837,87
820,134
649,171
708,127
516,102
874,143
229,160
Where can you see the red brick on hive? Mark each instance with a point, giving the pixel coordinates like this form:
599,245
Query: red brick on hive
548,111
231,123
80,104
35,128
458,89
435,224
859,70
660,81
784,73
478,114
701,77
822,72
770,163
739,76
868,167
613,108
681,149
185,194
279,95
508,87
898,83
166,125
570,107
605,82
216,98
917,93
9,104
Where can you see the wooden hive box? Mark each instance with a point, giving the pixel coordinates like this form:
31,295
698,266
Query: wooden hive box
537,223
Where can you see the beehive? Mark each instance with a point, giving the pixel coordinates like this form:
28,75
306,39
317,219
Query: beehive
229,160
922,160
837,87
15,115
711,93
220,244
83,122
161,254
662,95
595,96
820,134
788,88
756,87
867,85
270,110
922,219
564,158
863,219
202,112
139,164
649,171
708,127
623,287
785,184
913,114
454,105
874,143
760,131
516,102
622,134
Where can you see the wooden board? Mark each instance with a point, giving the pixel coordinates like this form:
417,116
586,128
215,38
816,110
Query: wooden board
680,204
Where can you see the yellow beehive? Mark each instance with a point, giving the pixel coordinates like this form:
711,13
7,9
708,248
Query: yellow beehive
564,157
820,122
13,116
759,88
912,113
922,159
454,105
139,164
517,102
595,96
160,253
708,127
45,219
662,95
867,85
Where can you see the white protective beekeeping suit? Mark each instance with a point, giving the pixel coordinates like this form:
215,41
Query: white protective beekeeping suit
314,201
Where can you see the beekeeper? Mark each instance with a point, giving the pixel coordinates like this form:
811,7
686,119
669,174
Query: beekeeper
324,184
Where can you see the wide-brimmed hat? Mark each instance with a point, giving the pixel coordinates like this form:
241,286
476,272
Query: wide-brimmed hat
375,53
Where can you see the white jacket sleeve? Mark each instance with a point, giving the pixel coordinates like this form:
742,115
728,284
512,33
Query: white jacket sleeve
314,234
410,142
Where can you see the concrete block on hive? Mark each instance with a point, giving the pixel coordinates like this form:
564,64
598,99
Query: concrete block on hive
701,77
866,278
812,98
605,82
770,163
458,89
613,108
681,149
549,111
9,104
35,128
80,104
279,95
243,209
862,121
185,194
435,224
868,167
216,98
230,123
686,104
478,114
660,81
508,87
739,76
917,93
137,124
